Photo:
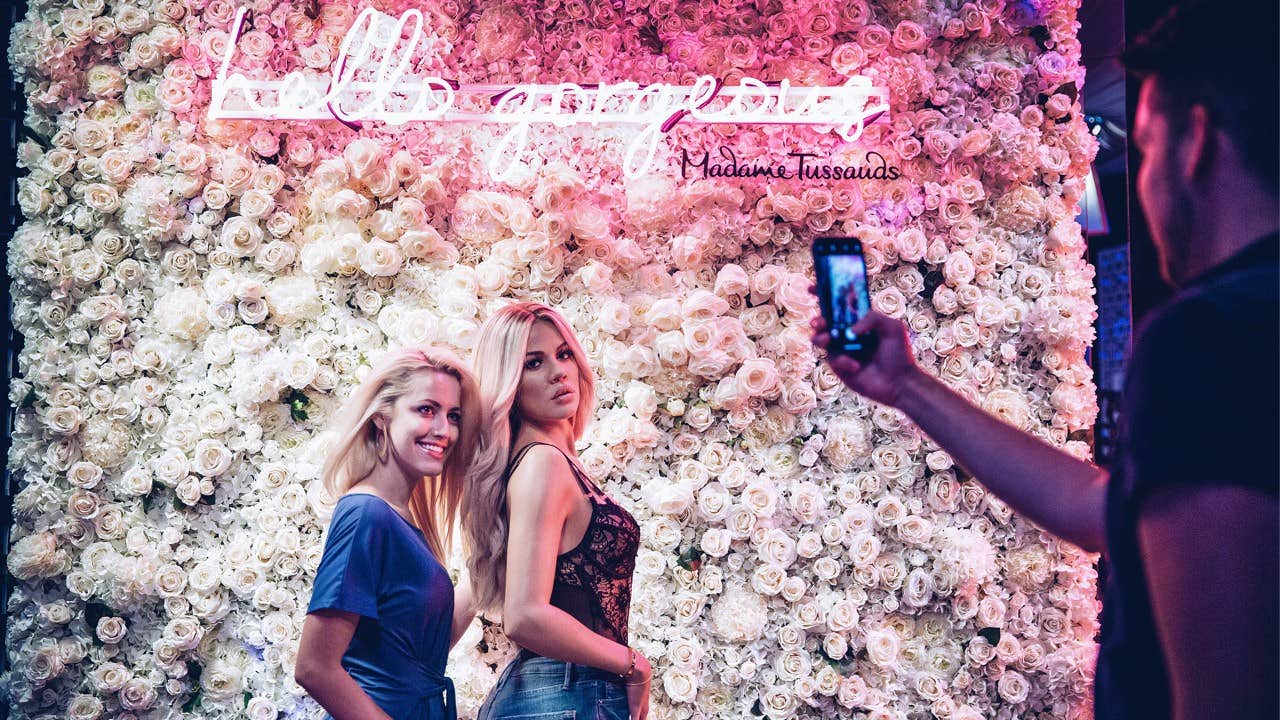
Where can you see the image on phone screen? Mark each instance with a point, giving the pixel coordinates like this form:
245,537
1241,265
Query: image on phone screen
842,288
849,301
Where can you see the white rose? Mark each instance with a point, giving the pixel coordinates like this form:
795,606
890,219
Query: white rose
792,664
664,533
778,702
673,498
699,417
56,613
687,607
680,685
793,295
256,204
1013,688
714,501
84,475
260,708
685,652
84,707
170,466
835,645
111,629
205,576
380,258
102,197
664,315
778,548
110,677
138,694
761,498
221,681
45,664
169,580
807,502
241,236
596,278
300,370
827,568
277,628
614,316
716,541
915,530
852,692
883,646
212,458
843,616
184,632
768,579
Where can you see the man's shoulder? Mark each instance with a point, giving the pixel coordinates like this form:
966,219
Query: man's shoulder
1229,308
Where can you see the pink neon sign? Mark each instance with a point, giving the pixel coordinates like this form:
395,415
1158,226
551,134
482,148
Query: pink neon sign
370,81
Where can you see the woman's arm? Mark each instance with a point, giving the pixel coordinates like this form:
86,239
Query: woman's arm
325,637
464,610
540,495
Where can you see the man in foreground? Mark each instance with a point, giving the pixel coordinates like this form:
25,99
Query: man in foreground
1187,516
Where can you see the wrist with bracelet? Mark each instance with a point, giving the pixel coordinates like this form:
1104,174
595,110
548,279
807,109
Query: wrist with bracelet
631,671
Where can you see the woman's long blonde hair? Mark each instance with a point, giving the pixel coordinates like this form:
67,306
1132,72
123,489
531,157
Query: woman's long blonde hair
499,363
434,505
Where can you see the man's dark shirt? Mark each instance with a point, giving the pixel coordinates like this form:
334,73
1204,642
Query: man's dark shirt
1200,408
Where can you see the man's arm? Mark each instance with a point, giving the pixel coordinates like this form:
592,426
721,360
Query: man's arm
1210,554
1059,492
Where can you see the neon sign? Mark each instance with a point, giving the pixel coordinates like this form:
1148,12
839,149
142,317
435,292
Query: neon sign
371,81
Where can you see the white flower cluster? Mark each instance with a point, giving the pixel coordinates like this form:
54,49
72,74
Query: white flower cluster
198,297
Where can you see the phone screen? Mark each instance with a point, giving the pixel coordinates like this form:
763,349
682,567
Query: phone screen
842,292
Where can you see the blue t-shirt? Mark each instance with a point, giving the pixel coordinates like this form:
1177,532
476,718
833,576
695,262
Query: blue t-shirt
377,565
1200,409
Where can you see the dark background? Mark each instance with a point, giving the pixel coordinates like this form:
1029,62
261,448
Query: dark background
12,105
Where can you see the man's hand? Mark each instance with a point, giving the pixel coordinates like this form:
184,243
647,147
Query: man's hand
884,375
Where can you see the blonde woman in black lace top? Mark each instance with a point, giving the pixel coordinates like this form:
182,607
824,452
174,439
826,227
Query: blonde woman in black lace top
547,545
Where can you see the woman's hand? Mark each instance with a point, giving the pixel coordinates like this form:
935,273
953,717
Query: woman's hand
638,687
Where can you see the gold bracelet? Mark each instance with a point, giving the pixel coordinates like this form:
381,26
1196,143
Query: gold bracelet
631,670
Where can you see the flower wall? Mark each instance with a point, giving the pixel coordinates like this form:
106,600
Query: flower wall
198,298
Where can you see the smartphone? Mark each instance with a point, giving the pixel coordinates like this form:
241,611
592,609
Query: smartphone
842,294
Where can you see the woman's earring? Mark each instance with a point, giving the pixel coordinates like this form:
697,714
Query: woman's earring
383,444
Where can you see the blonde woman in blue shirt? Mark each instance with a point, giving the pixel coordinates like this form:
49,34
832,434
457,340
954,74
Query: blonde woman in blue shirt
383,611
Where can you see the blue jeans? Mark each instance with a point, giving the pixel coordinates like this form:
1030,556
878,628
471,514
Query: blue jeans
539,688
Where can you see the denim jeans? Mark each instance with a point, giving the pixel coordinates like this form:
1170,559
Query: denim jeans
539,688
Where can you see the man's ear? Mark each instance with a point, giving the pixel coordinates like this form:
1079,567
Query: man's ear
1199,143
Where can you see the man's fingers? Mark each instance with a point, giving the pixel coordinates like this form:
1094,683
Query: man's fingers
867,322
822,340
845,365
876,322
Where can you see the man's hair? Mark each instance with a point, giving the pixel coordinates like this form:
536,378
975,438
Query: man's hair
1222,56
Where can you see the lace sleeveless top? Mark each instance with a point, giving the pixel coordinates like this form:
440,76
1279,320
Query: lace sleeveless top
593,580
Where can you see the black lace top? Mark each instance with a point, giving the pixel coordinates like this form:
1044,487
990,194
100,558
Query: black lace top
593,580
